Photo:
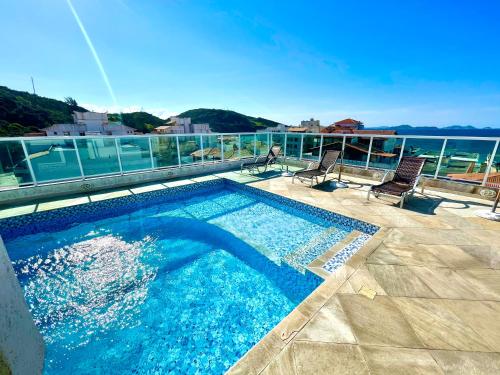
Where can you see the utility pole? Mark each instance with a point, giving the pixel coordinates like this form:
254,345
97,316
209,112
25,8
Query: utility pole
33,85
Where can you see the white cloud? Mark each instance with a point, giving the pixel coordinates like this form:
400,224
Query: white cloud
163,113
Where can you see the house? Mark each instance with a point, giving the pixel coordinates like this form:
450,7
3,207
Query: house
182,125
347,125
89,123
311,125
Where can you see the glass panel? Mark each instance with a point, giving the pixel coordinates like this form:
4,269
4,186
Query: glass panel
164,152
211,148
262,144
310,147
428,148
53,159
14,169
98,156
356,151
231,147
247,145
190,149
332,143
385,153
134,153
466,160
293,145
494,176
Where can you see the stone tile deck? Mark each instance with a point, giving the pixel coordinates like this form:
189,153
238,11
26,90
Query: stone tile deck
435,268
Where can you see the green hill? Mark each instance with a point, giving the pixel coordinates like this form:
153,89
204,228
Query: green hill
225,121
22,112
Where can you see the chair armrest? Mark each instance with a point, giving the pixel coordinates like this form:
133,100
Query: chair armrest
384,177
312,165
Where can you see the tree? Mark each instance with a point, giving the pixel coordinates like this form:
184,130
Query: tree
70,101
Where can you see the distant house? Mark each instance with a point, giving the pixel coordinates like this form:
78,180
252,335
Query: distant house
89,123
311,125
280,128
181,125
345,126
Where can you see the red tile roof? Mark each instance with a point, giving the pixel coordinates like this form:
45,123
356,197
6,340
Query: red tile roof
347,121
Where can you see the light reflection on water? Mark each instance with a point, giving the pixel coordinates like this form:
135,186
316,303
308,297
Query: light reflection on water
100,283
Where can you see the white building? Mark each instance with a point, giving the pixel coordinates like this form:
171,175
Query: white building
181,125
89,123
311,126
281,128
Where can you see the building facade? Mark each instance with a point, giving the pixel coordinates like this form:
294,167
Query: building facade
182,125
89,123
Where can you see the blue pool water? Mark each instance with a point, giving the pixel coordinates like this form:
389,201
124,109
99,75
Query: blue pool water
187,286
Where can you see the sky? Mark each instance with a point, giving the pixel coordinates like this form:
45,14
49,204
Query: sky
381,62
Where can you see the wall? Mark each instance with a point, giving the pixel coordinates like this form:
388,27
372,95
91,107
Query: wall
21,344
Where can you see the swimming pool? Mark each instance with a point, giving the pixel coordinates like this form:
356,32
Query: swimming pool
183,280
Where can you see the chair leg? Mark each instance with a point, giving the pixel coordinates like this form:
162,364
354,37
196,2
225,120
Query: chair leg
293,179
368,196
403,197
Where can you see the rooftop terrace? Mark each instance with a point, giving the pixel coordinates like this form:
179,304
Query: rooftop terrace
422,297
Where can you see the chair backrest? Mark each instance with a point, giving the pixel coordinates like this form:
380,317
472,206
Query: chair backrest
274,152
408,170
328,159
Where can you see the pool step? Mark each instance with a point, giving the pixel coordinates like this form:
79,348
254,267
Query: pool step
316,266
315,248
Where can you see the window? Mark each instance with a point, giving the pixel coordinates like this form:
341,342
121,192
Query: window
66,133
55,133
82,134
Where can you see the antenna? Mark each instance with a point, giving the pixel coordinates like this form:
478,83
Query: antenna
33,85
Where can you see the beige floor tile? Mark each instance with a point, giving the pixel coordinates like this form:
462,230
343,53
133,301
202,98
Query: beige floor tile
453,256
363,278
205,178
148,188
482,317
282,364
447,283
16,211
400,281
488,254
178,183
110,195
438,326
467,363
329,325
328,359
62,203
399,361
374,322
415,255
486,281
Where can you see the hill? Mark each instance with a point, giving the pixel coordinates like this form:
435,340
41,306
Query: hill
22,112
225,121
142,121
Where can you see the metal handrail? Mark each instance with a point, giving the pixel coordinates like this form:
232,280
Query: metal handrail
237,137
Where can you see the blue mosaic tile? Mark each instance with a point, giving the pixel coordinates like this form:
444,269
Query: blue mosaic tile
343,255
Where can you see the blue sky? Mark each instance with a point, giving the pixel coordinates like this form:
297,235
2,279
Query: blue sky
382,62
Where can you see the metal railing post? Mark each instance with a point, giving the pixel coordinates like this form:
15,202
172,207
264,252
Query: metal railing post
202,150
222,148
284,146
239,146
178,150
320,147
301,145
78,159
28,161
151,153
369,153
255,145
440,158
490,163
118,156
402,149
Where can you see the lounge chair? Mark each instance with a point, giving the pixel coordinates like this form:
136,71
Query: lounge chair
404,182
325,166
262,161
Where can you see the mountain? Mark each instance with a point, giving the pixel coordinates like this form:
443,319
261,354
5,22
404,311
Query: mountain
22,112
225,121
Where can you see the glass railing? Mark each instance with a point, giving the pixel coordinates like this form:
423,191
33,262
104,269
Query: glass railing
38,160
